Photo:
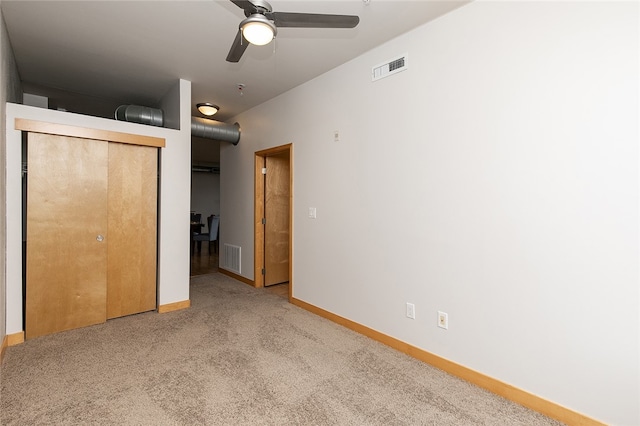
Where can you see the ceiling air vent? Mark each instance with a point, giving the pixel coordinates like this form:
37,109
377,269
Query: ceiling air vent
206,168
390,67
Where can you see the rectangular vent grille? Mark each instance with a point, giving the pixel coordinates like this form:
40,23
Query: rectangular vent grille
390,67
232,258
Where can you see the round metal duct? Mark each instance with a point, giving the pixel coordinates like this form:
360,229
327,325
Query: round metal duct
217,130
140,114
201,127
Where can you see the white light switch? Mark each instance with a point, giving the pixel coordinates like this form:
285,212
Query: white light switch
312,212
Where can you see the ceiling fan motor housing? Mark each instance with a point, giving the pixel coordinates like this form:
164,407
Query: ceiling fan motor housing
260,7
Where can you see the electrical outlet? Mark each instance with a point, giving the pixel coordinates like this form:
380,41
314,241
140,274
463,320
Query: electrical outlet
411,311
443,320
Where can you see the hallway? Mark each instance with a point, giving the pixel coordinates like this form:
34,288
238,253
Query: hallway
203,263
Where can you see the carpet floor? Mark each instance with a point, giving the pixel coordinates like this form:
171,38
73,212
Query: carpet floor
239,355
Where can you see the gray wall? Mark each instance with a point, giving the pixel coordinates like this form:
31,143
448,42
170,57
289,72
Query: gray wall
496,179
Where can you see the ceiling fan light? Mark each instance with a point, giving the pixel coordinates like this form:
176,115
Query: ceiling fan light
207,108
258,30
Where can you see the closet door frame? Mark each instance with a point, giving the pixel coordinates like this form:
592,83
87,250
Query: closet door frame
105,136
35,126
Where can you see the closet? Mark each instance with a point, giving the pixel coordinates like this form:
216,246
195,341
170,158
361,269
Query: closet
91,226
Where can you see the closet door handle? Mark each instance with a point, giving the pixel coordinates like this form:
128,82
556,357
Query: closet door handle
100,238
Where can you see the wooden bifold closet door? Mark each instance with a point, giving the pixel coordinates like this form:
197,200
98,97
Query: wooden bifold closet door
91,232
66,212
132,207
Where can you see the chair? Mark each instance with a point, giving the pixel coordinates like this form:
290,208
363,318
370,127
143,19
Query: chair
196,217
212,236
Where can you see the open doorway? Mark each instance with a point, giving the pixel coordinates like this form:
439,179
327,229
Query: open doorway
273,217
205,202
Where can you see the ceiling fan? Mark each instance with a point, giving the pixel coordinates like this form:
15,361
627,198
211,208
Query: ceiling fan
261,24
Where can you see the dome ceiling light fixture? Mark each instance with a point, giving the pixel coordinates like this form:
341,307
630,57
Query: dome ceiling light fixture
262,23
207,108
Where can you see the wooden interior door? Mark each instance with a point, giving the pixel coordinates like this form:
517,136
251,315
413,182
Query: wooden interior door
132,253
276,210
66,262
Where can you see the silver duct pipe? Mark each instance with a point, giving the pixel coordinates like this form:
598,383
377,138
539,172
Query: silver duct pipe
139,114
212,129
201,127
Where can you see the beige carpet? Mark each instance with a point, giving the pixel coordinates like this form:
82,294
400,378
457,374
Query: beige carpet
238,356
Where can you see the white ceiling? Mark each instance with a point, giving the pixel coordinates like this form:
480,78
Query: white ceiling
132,52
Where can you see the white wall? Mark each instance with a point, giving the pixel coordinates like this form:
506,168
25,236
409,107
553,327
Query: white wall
496,179
175,170
10,91
174,230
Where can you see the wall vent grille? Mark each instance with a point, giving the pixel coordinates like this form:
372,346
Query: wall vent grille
232,258
391,67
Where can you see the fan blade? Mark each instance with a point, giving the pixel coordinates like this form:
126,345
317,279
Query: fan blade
237,48
244,4
312,20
